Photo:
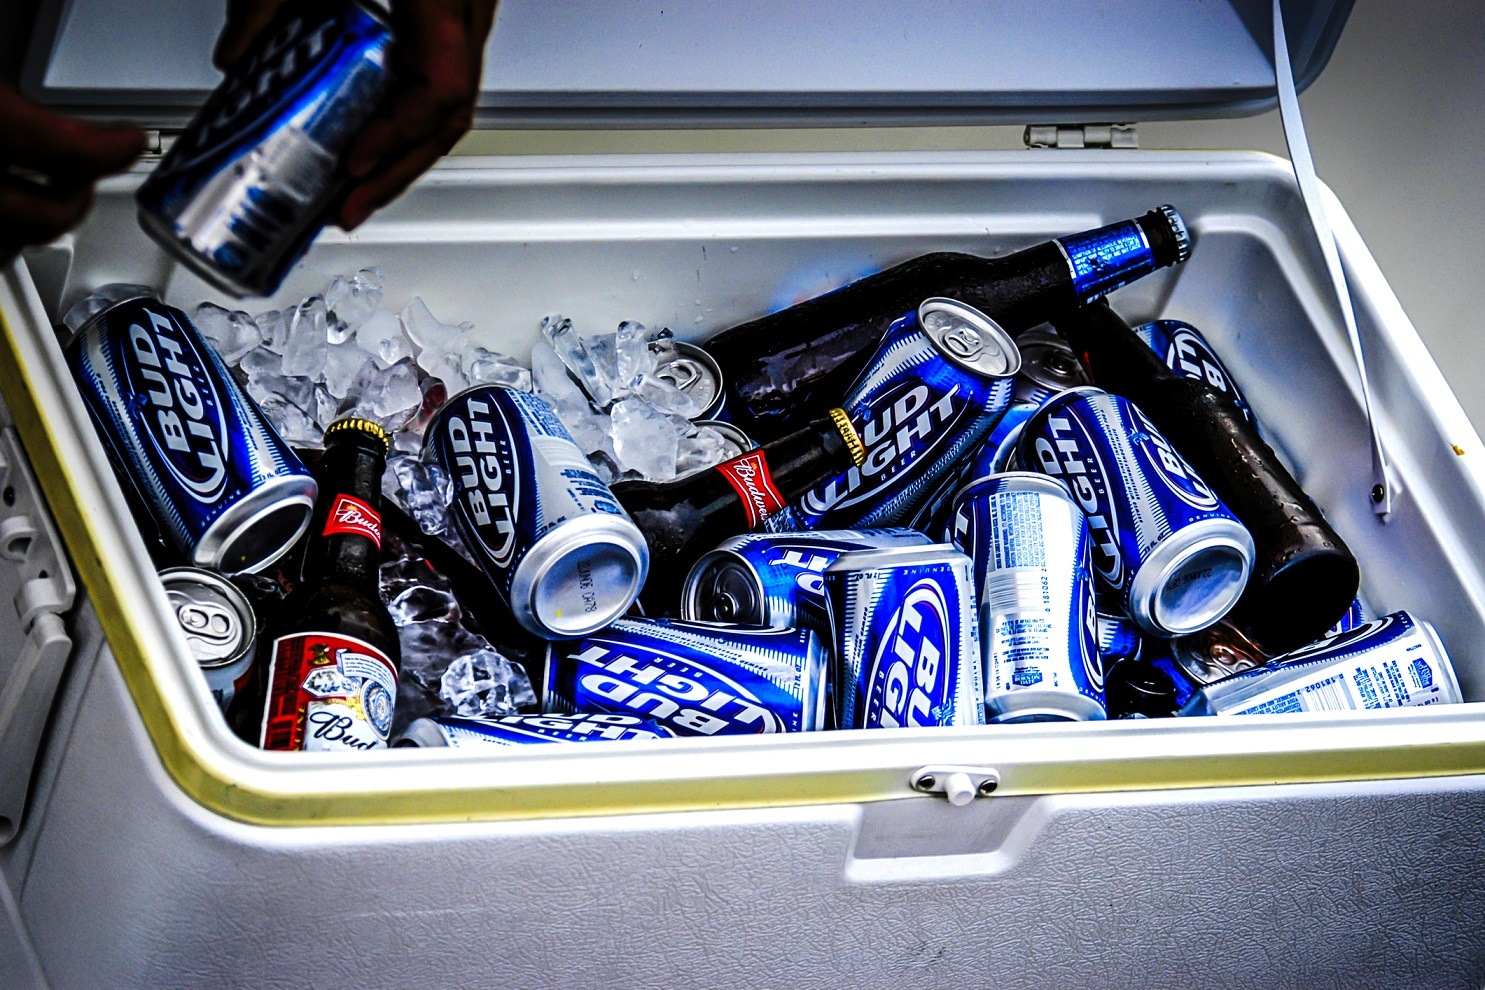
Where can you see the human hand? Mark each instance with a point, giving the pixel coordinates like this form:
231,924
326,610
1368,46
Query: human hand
48,164
437,60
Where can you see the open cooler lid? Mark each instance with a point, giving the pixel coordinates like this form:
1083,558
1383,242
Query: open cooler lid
727,63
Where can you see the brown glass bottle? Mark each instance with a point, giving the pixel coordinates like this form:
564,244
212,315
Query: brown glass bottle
683,519
331,662
788,367
1304,577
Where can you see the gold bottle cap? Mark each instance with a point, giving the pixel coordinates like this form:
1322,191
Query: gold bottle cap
364,425
849,435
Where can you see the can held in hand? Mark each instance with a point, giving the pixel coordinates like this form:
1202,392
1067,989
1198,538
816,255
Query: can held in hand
1173,554
218,623
937,384
777,579
906,648
1396,661
1187,353
548,532
1048,366
244,189
1038,636
693,678
221,485
457,732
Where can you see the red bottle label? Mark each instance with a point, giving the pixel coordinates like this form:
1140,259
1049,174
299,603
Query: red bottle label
750,476
351,515
328,692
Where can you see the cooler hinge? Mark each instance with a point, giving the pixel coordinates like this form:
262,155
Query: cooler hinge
157,143
1081,136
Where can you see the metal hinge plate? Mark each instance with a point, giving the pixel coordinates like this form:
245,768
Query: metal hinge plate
1081,136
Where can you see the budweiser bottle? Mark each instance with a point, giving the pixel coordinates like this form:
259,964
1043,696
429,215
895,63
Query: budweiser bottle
683,519
333,657
787,367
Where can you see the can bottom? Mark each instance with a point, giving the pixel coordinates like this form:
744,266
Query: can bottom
1192,579
165,235
1014,707
260,528
580,577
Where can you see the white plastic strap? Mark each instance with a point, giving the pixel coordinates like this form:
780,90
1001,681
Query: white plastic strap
1383,487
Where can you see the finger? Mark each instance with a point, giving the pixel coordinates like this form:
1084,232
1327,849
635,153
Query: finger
59,146
30,214
246,19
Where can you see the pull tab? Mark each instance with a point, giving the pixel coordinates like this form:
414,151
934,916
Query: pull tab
1384,486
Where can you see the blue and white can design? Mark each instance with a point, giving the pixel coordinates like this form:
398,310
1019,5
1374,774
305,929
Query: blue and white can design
240,195
1357,615
458,732
906,647
220,483
1187,353
777,579
1102,260
937,384
1037,626
1396,661
693,678
1118,639
1163,543
546,529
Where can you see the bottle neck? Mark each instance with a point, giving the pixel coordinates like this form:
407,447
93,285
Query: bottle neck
765,480
345,534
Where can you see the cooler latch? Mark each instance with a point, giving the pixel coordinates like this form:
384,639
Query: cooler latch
1081,136
960,785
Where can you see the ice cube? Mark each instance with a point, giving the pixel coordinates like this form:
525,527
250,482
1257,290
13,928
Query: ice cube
482,367
291,422
343,364
435,394
297,391
426,330
565,341
261,361
704,448
354,298
634,358
551,379
589,429
382,337
273,329
663,394
645,439
388,396
424,490
304,354
443,365
231,334
326,407
602,349
482,683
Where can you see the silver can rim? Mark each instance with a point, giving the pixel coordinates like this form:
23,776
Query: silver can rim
691,591
1169,555
580,534
233,594
247,511
981,322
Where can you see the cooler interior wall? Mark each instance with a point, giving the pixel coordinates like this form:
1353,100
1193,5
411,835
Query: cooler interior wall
698,244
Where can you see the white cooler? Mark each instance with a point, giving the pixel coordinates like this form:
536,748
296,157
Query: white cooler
145,846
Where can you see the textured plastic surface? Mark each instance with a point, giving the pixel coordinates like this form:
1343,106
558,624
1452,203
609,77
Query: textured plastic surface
760,62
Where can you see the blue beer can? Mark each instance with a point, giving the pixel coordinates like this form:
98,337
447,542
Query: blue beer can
1048,366
936,385
458,732
906,647
243,191
993,456
1187,353
1038,635
1357,615
1118,639
777,579
693,678
1396,661
217,479
1170,552
545,528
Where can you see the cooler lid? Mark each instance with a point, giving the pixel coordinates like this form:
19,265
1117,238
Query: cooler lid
727,63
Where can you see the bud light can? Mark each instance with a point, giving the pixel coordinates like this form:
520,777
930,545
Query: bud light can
1172,553
1038,637
693,371
457,732
218,624
1048,366
776,579
551,536
1118,639
1358,614
1396,661
244,190
906,648
937,384
1187,353
217,479
693,678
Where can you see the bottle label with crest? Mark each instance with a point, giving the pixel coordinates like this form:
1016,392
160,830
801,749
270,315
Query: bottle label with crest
750,477
328,692
349,514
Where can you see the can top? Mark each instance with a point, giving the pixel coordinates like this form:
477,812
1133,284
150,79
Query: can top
90,307
1049,361
213,614
969,338
366,426
693,371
